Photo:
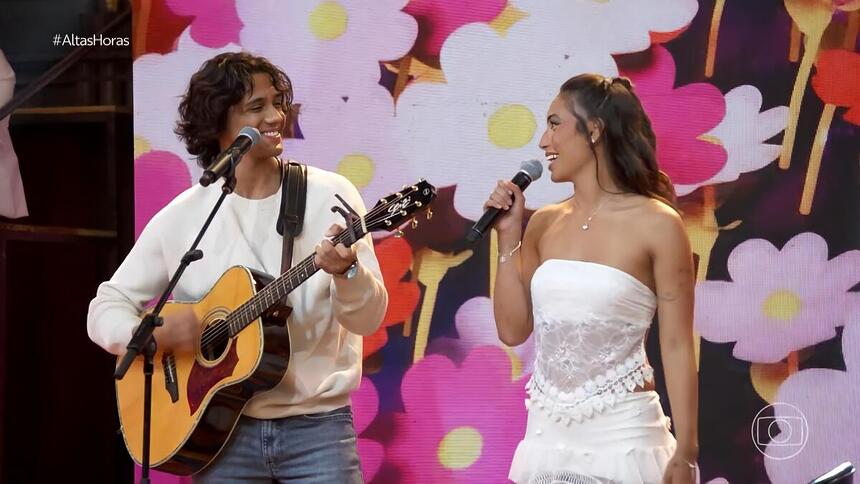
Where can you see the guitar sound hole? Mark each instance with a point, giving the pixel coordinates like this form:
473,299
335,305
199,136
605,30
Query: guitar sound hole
213,341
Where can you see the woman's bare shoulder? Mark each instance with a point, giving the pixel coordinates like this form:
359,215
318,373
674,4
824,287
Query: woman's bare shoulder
545,216
658,221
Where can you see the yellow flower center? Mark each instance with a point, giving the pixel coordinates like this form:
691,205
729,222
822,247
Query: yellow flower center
460,448
141,146
782,305
357,168
511,126
328,21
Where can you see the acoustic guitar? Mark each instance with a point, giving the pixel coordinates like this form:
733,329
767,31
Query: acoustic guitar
244,348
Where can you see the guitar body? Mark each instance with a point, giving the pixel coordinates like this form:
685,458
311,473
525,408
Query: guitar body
197,397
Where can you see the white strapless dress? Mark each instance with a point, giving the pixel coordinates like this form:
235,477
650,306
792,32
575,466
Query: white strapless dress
586,423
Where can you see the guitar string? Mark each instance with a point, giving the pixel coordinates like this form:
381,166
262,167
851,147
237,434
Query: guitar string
243,313
247,309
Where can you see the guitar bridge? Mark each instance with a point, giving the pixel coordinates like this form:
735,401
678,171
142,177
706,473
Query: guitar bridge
170,384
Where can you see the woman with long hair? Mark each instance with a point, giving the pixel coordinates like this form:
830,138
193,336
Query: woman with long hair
587,276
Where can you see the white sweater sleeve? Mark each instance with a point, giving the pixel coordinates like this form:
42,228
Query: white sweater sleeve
115,311
359,304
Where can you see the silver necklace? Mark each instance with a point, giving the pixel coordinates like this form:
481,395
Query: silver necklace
588,220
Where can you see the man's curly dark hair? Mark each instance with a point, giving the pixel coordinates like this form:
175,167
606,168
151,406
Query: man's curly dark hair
221,82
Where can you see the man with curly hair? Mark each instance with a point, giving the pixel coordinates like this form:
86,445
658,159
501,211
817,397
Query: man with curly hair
300,431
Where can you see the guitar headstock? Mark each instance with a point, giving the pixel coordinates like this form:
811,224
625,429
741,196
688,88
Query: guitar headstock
395,209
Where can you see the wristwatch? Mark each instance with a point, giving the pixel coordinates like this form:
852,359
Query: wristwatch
350,271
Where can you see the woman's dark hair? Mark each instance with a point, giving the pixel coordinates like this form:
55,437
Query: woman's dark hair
626,131
221,82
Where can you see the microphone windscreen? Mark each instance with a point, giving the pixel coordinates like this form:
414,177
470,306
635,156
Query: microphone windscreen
533,168
250,132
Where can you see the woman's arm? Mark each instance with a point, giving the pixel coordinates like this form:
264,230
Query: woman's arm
512,302
674,278
518,260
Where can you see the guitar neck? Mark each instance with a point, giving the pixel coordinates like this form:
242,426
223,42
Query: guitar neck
387,214
249,311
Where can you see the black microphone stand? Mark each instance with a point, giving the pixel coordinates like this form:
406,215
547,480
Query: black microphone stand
142,341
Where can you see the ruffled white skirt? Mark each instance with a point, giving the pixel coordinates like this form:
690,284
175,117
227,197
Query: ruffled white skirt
627,443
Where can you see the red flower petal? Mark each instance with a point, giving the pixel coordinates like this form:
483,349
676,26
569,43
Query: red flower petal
395,260
837,75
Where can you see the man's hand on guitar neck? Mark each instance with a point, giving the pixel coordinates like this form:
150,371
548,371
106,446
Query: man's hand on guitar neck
334,259
179,333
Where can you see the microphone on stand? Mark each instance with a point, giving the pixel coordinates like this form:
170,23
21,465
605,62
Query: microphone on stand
530,171
227,159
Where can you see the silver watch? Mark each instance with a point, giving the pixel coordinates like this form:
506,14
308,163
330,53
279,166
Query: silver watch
350,271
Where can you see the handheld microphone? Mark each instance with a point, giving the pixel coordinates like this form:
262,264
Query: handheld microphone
247,138
529,171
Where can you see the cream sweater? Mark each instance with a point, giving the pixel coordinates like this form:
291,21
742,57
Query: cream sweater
329,314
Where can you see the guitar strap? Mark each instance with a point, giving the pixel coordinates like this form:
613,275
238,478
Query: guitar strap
294,181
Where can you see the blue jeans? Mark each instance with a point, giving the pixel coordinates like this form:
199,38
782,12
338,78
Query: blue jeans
306,449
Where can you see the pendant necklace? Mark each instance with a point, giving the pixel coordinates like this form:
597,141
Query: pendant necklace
588,220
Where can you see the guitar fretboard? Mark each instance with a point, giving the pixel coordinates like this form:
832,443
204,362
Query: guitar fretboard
250,310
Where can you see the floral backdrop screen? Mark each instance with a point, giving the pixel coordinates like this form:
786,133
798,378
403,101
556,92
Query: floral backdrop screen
756,108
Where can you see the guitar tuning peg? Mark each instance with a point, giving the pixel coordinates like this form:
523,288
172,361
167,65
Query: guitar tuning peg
414,223
398,234
418,204
429,214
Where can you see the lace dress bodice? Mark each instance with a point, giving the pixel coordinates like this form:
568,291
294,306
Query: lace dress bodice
590,322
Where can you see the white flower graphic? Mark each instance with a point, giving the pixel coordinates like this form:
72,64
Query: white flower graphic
476,326
161,80
329,48
779,300
354,138
479,126
743,132
618,27
828,400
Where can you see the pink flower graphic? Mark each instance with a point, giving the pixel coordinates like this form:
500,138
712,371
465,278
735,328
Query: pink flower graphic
437,19
779,301
159,176
156,477
329,48
215,24
365,406
827,400
680,116
476,326
461,424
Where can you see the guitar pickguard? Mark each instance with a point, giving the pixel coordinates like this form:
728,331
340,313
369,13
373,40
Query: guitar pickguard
202,379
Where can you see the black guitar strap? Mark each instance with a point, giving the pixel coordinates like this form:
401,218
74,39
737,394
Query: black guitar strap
294,191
